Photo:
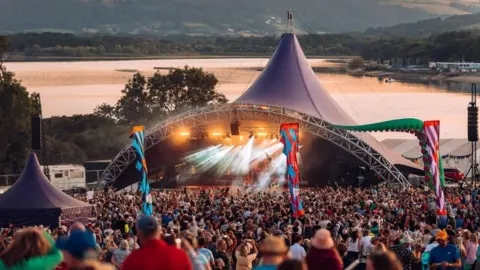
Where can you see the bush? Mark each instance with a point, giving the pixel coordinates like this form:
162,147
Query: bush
357,62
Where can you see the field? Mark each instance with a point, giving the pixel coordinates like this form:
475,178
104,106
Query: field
440,7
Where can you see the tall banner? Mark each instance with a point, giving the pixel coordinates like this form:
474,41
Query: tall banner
290,140
433,162
138,144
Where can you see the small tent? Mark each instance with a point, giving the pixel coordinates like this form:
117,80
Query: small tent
33,200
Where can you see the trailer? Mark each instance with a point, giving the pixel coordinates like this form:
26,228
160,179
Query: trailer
67,176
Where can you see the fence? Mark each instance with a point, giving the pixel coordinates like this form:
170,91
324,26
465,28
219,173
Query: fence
90,177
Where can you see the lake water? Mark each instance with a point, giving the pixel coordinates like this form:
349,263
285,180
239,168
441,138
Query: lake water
68,88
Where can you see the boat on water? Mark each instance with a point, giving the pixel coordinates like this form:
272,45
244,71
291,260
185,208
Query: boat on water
389,80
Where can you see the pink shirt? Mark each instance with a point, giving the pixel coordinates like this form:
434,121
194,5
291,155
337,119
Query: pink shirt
471,249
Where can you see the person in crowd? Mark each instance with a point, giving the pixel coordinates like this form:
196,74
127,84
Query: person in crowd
323,252
471,247
292,265
385,260
190,246
342,251
353,245
30,249
202,243
154,253
120,254
445,256
222,259
273,251
297,251
404,252
417,253
244,257
80,251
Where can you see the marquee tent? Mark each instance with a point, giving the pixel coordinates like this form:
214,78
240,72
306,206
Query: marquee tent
33,200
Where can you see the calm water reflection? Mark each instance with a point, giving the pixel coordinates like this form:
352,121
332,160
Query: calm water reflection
366,99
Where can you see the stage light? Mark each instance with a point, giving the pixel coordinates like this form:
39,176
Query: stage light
241,138
184,133
217,134
262,134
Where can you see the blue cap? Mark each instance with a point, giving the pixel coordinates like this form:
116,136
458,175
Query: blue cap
147,224
78,243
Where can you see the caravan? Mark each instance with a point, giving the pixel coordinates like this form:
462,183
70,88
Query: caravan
67,176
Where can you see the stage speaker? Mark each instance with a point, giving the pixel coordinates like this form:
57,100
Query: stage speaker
234,129
472,123
36,132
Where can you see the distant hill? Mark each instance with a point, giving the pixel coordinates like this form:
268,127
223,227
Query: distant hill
246,17
425,28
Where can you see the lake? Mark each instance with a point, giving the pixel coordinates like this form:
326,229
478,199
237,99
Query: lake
68,88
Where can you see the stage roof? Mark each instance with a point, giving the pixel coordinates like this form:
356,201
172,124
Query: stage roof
288,81
409,148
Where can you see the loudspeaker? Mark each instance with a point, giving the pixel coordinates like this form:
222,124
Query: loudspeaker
472,124
36,132
234,129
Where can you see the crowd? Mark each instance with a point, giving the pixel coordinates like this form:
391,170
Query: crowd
343,228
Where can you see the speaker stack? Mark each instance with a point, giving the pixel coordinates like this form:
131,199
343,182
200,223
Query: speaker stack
36,122
234,129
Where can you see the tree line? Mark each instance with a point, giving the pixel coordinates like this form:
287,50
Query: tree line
448,46
101,134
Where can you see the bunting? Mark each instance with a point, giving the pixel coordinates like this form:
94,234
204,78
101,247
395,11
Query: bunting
290,139
138,144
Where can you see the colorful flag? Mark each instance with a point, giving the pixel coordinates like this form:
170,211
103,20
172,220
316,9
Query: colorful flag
290,139
434,166
138,144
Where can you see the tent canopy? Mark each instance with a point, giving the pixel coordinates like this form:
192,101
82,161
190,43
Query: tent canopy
33,196
288,81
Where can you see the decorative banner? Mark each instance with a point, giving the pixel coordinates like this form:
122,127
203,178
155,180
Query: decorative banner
138,144
434,171
428,134
290,139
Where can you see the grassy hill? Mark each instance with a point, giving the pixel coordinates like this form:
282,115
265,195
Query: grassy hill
428,27
161,17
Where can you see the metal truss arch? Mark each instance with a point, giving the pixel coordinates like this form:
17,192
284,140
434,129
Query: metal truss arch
228,112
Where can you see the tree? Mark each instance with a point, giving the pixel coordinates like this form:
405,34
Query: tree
105,110
15,110
357,62
159,96
101,50
134,105
183,89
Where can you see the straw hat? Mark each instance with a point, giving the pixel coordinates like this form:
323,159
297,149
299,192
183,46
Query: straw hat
322,240
407,239
273,245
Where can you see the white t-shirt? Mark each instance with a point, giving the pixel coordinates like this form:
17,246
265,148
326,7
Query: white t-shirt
353,245
323,224
366,242
297,252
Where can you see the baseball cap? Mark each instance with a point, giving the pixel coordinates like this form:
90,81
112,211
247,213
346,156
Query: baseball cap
442,235
147,224
78,243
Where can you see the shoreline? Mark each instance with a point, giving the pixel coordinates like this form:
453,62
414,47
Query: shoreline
25,59
420,77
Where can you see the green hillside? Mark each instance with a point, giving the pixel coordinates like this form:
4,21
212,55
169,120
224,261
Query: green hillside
160,17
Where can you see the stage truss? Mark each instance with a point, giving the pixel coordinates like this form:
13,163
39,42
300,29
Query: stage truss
230,112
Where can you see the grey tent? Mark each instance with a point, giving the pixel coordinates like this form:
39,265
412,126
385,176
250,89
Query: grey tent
33,200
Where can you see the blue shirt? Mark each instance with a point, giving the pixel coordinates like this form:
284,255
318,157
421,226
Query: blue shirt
265,267
449,254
